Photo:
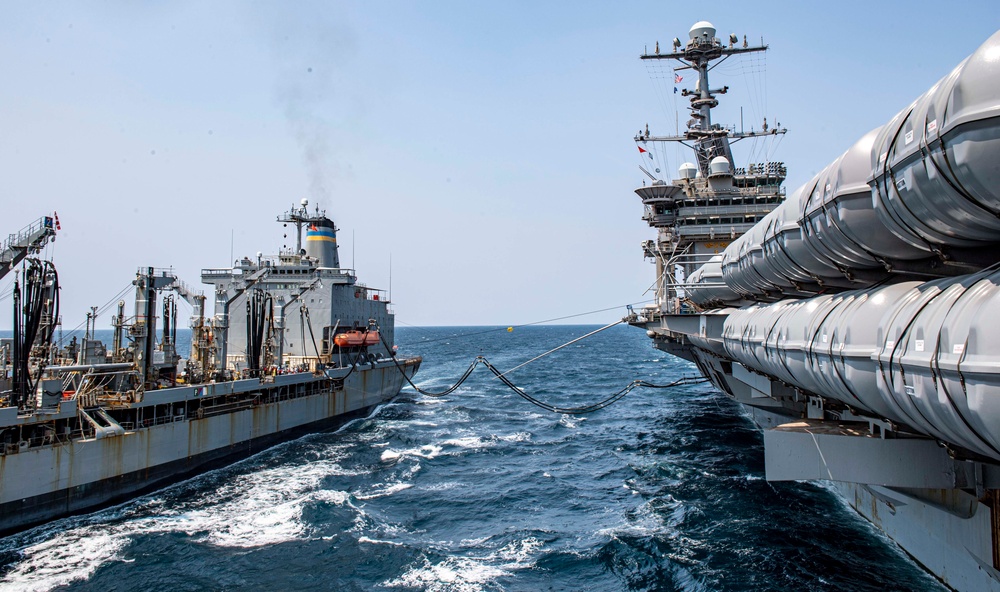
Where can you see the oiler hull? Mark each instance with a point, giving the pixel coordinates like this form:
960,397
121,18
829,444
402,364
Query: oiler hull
42,483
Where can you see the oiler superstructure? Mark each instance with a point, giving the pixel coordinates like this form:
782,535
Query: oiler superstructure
88,424
855,323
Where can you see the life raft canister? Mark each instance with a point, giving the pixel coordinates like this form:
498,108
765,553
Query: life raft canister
356,338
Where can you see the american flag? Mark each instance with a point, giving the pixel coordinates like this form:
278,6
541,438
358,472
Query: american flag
677,78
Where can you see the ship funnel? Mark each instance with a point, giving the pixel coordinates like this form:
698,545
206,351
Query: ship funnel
321,242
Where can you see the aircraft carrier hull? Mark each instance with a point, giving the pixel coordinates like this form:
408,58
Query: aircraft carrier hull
948,532
908,489
854,320
949,544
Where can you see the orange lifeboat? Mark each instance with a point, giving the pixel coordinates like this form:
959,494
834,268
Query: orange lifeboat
356,338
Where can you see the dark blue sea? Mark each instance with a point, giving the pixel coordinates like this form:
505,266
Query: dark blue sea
480,490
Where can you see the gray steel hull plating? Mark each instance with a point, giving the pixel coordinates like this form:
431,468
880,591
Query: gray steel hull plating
42,484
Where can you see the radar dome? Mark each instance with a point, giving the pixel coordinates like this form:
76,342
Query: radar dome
687,171
719,166
304,202
702,30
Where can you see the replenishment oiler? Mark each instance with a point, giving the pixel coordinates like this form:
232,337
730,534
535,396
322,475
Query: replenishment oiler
296,345
853,317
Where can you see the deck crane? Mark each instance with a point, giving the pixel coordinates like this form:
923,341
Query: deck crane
29,240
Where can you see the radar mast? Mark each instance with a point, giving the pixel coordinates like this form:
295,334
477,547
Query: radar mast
711,202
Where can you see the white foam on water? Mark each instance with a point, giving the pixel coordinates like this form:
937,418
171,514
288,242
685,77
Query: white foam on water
396,425
261,508
571,421
59,561
746,478
372,541
374,413
472,442
517,437
518,553
644,522
477,442
468,574
382,490
249,510
425,451
261,523
333,496
442,486
410,471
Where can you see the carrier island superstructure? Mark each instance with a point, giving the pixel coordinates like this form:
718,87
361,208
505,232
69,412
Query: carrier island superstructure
296,345
856,318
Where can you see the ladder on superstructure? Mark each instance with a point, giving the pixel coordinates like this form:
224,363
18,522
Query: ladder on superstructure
29,240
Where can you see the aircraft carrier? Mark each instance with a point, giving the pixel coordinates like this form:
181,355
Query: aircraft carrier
851,316
296,345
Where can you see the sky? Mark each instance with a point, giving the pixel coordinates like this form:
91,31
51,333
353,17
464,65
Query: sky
478,157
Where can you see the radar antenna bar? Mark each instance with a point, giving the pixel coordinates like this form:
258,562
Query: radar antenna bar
710,53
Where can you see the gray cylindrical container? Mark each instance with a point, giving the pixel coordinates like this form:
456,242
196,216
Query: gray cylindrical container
968,360
922,355
795,251
729,258
849,372
844,223
891,341
916,366
705,286
776,340
780,240
752,261
808,324
935,172
773,274
821,364
736,333
933,180
762,327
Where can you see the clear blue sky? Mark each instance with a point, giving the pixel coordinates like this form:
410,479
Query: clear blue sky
486,147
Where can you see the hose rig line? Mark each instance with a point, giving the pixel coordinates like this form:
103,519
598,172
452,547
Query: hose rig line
537,402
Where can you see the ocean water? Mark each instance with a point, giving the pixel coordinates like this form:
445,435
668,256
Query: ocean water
481,491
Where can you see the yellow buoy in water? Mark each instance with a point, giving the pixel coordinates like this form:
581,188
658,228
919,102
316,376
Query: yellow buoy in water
510,329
